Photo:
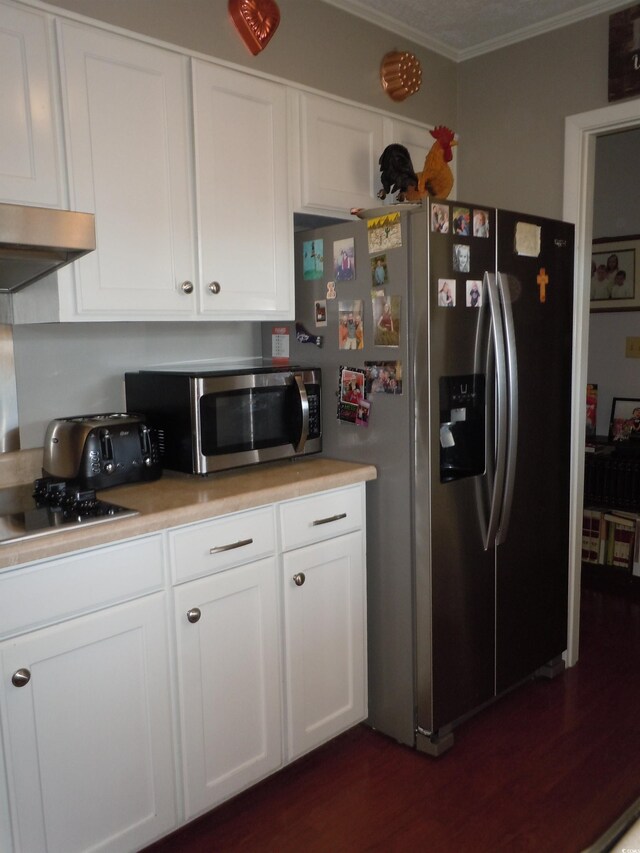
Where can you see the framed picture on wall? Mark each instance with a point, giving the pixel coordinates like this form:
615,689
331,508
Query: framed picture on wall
615,274
625,419
624,53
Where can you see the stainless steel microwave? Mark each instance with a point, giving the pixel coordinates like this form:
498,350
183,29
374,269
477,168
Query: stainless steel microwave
212,418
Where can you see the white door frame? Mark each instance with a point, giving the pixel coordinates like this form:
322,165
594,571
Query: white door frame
579,167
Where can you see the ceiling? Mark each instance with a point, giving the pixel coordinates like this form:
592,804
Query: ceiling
460,29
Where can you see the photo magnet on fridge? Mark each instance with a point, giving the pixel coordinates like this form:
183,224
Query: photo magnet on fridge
379,272
350,331
386,320
350,393
440,218
474,293
384,232
320,312
383,377
344,259
312,259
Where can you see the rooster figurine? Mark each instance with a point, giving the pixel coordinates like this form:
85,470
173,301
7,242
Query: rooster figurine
436,178
396,171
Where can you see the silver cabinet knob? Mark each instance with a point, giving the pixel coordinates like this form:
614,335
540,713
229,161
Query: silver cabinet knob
194,614
214,287
21,677
187,287
299,579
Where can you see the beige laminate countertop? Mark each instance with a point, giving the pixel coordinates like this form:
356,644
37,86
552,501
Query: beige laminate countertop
177,499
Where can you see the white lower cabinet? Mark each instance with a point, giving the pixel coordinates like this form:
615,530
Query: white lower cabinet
229,676
231,638
107,710
87,721
325,630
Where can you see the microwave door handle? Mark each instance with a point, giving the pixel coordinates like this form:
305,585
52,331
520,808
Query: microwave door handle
304,410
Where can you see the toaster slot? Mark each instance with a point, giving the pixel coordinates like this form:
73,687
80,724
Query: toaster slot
106,445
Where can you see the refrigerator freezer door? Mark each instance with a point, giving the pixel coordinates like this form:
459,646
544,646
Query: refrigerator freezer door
454,572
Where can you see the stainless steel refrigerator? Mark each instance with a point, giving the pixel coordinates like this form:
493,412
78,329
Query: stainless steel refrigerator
468,391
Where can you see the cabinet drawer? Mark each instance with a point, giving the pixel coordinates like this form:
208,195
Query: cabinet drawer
321,516
216,545
52,590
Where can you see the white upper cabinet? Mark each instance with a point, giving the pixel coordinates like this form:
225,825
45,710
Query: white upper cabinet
127,127
192,168
244,218
130,132
29,150
339,147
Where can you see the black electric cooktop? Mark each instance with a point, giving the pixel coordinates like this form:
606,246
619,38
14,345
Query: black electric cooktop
51,505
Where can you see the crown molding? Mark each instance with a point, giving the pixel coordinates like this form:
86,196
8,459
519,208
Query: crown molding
388,22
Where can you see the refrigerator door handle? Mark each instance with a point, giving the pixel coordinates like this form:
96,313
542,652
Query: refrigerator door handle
512,416
500,438
304,410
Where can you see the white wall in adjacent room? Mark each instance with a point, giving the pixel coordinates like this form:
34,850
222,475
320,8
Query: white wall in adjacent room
616,213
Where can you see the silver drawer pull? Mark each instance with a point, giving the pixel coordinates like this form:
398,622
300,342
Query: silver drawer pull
231,546
329,520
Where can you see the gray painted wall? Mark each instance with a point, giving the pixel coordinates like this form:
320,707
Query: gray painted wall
511,110
65,369
512,106
316,45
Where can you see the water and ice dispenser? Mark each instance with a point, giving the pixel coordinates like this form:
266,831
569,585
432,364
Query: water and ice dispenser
462,426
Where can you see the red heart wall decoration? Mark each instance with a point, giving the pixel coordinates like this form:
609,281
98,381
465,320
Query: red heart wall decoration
256,21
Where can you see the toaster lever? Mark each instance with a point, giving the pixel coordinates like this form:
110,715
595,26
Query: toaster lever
145,444
106,445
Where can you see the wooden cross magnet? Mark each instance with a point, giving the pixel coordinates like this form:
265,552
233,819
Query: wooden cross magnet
543,281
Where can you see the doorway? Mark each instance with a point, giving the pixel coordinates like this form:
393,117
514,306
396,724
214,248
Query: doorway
581,133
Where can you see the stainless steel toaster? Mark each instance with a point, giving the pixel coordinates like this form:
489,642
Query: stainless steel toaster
98,451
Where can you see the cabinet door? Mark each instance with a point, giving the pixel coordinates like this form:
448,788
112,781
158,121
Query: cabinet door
340,145
415,138
325,647
29,167
229,674
89,736
244,217
127,125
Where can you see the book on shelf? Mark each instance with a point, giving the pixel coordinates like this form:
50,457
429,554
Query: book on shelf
611,538
592,408
621,536
597,447
612,480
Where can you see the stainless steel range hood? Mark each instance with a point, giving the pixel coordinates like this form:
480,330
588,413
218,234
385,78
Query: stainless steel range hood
36,241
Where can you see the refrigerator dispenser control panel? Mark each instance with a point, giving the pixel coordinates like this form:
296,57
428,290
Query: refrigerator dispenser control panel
462,426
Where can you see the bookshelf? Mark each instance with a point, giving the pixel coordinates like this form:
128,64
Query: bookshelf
611,518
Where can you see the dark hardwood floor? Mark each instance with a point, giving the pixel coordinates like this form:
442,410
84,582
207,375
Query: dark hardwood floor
548,769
